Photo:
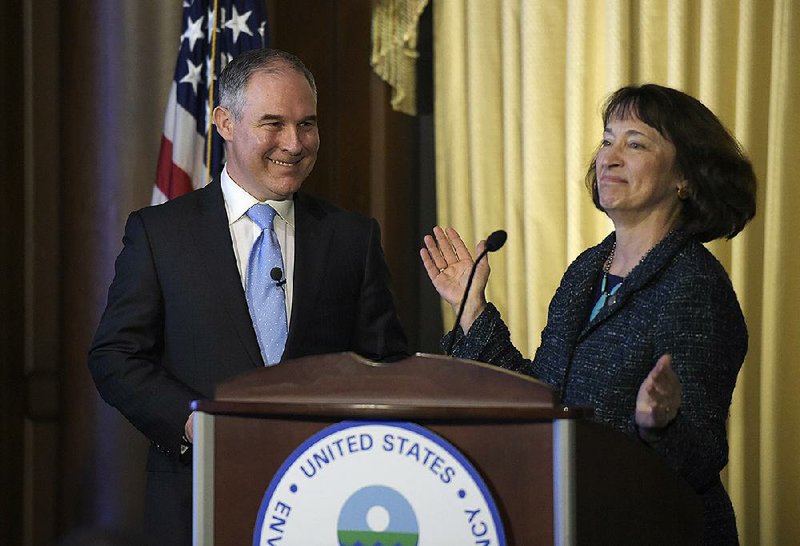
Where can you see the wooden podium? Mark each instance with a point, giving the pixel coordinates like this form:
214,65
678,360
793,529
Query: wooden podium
555,476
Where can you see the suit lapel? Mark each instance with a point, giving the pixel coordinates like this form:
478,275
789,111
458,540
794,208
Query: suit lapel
312,240
582,299
212,240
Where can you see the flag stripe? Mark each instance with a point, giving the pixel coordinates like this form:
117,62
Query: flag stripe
188,145
171,179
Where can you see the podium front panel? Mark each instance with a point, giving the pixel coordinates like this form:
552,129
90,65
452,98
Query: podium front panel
249,451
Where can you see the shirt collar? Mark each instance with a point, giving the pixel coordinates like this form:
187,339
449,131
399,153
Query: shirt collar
238,201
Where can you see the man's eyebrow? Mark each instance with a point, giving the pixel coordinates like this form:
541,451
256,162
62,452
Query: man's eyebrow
277,117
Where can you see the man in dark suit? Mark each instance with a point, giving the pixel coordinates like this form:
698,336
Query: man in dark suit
178,320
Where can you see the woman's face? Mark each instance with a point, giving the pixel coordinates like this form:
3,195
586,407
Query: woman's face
636,172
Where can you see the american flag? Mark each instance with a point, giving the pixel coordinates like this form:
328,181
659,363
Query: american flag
214,31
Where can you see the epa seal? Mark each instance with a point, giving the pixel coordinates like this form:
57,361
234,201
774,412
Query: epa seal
361,483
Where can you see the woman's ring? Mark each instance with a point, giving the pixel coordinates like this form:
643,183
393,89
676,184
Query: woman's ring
442,269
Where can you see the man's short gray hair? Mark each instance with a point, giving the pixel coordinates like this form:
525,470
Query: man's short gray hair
234,77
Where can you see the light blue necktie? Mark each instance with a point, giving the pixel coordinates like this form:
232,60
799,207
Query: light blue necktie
265,299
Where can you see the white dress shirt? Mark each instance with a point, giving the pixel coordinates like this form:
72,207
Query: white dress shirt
244,231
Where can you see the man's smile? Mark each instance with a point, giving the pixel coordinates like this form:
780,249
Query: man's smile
282,163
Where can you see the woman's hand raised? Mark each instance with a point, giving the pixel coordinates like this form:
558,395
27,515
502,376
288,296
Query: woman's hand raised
448,263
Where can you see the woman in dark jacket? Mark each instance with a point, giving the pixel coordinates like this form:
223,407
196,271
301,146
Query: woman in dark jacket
645,327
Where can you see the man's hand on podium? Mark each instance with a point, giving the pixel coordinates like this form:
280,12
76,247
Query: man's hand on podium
188,428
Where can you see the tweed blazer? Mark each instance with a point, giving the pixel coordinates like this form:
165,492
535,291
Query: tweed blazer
680,301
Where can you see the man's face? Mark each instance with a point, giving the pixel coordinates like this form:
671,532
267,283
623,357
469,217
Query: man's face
273,146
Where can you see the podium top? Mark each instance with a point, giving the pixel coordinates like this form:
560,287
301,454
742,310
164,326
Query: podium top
421,386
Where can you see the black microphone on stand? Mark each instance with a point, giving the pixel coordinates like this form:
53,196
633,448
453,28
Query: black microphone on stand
494,242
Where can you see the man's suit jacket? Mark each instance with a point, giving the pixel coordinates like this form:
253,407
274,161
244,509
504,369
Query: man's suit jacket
177,321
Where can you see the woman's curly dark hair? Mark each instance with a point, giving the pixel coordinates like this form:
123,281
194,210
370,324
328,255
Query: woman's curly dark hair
721,181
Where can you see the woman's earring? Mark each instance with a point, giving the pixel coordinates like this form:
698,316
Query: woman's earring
683,193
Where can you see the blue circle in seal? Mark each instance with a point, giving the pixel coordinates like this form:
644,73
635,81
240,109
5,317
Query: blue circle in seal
353,527
328,431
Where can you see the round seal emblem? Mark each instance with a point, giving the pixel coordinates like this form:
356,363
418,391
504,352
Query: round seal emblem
364,483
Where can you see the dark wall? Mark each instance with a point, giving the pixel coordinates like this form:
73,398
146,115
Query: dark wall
12,242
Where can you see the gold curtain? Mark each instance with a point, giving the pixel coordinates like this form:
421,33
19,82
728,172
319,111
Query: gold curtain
394,49
519,85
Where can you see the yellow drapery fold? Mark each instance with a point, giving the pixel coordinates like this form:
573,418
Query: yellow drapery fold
518,90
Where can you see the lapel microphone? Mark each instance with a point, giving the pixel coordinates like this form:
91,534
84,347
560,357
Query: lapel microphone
277,275
494,242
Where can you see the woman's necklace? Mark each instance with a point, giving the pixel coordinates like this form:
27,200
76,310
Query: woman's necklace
608,296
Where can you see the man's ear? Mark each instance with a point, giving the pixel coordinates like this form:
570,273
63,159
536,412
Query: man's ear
223,120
